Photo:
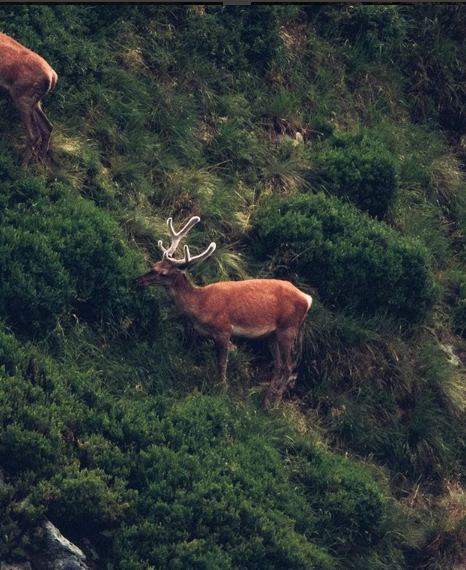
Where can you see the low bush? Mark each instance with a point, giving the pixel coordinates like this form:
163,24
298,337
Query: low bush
11,353
86,499
237,37
360,171
351,506
184,483
352,260
20,532
35,289
375,30
60,254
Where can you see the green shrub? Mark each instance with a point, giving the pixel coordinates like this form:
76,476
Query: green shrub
222,492
351,508
35,288
351,259
235,37
38,416
182,483
86,499
362,172
376,29
20,534
21,447
11,353
60,255
8,169
95,254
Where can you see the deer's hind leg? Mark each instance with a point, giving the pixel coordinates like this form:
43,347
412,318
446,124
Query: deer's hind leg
46,129
26,107
286,341
277,370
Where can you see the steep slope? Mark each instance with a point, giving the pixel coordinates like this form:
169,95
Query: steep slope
320,144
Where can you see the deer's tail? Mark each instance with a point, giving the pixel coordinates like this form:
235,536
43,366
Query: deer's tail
51,81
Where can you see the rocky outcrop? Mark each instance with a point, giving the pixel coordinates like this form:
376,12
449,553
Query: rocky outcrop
58,552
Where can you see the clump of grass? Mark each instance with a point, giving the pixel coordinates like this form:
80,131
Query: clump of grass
388,399
197,191
286,169
227,265
445,542
445,375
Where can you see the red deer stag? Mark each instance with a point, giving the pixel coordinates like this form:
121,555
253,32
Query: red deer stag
27,77
253,308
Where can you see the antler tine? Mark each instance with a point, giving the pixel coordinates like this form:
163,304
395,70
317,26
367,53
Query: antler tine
176,237
189,261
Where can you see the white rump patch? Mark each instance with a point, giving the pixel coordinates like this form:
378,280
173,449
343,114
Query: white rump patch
309,300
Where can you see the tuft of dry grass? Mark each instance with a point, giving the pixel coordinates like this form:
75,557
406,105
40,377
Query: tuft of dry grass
445,547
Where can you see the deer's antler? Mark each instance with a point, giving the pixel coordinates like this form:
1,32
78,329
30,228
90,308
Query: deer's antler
189,261
176,237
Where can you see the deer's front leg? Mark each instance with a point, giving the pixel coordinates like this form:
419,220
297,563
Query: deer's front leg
46,129
222,344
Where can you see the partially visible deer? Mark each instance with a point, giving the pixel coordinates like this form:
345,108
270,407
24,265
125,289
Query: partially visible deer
253,308
27,77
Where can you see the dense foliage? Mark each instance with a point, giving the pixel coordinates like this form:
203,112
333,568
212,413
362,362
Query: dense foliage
180,483
360,171
319,143
351,259
61,255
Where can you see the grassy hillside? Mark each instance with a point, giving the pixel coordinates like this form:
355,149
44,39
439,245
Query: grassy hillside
320,144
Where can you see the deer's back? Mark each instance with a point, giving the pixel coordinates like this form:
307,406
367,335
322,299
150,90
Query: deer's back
267,304
19,64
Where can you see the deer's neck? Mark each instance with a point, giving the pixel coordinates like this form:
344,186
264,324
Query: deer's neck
184,294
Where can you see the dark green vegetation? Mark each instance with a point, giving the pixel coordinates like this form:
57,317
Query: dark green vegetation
321,144
352,259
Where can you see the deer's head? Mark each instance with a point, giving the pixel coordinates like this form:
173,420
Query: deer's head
166,272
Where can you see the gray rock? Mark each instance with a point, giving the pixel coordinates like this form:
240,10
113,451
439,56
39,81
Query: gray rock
60,544
61,554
